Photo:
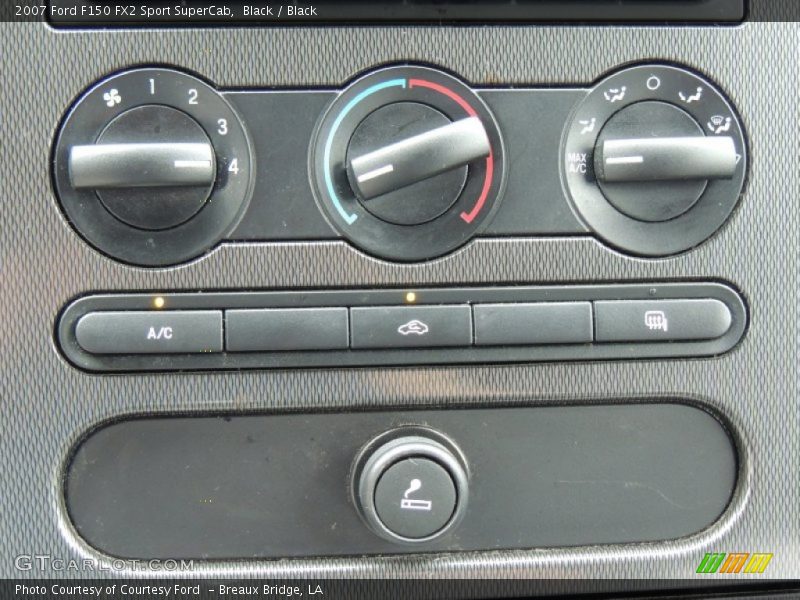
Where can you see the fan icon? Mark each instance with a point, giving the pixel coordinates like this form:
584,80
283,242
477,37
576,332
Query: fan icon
112,97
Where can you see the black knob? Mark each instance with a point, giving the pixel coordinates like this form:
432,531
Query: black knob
411,486
407,161
400,193
153,167
653,161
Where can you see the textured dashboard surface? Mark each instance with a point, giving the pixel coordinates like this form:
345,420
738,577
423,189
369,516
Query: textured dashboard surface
46,405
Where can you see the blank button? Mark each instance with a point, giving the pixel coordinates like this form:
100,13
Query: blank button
532,324
286,329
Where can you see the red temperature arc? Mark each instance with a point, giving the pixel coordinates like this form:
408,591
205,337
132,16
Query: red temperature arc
468,217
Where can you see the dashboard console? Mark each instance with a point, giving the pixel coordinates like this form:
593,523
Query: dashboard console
402,295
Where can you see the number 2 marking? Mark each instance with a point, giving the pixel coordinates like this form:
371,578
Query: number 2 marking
193,96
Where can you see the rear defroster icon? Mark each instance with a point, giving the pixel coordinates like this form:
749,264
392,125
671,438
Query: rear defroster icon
656,320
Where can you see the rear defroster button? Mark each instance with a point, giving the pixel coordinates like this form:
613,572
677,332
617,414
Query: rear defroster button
661,320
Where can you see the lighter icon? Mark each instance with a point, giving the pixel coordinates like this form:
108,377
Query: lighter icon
412,504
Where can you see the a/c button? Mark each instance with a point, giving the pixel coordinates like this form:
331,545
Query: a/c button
150,332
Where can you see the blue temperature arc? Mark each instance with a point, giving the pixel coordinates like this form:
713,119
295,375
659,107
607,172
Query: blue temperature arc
349,219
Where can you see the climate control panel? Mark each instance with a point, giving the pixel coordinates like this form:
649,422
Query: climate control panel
155,167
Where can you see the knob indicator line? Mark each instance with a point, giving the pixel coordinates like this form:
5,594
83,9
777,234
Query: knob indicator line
192,164
376,173
625,160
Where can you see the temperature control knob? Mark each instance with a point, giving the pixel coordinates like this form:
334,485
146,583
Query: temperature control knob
152,166
408,163
416,158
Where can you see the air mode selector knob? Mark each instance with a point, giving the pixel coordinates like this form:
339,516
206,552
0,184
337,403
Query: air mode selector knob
653,160
411,488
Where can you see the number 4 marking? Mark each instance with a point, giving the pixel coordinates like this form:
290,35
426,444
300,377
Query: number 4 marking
234,166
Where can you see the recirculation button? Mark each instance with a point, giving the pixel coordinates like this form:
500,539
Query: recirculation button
410,326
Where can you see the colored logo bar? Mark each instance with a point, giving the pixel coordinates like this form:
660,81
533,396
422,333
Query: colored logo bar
734,562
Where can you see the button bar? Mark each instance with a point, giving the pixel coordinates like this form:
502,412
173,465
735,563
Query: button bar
379,327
